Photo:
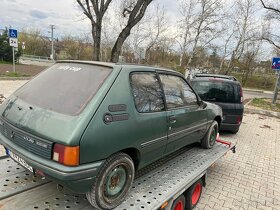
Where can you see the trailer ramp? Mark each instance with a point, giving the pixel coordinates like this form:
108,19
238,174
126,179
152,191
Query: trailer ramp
170,177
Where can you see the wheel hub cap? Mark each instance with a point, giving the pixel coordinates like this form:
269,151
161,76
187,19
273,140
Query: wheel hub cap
115,181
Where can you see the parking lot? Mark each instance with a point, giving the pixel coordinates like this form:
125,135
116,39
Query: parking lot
248,179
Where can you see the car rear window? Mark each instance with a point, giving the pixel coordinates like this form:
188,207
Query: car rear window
218,91
65,87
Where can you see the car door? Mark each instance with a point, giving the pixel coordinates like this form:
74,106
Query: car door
150,116
185,118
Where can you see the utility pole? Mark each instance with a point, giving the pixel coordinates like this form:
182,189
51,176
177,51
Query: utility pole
277,85
52,28
276,66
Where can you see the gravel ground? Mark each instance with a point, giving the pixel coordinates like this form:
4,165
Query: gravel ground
29,70
7,87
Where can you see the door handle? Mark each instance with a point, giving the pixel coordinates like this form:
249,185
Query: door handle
172,119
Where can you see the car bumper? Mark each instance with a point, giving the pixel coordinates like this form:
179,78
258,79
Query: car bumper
229,127
77,178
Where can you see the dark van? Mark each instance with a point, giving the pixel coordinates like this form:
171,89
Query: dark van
224,91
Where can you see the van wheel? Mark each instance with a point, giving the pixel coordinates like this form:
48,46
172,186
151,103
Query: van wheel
112,183
210,138
193,194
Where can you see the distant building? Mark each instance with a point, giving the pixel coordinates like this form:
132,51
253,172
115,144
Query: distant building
2,31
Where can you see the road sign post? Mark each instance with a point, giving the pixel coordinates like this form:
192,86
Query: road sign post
276,67
13,43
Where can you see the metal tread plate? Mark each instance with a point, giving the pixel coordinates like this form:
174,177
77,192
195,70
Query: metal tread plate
153,189
149,191
15,179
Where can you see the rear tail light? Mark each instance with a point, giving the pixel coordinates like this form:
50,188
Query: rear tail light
238,119
66,155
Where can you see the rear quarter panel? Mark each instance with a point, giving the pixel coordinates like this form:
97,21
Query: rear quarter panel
100,140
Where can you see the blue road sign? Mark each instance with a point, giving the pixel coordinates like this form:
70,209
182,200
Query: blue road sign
276,64
12,33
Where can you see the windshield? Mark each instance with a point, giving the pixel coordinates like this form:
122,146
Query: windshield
65,87
218,91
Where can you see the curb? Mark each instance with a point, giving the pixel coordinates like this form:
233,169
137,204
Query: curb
262,112
15,78
259,91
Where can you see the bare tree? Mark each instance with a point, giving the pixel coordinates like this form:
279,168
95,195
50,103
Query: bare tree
273,14
186,9
135,12
94,10
148,33
201,27
246,30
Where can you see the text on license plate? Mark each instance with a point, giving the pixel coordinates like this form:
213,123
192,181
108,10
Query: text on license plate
20,161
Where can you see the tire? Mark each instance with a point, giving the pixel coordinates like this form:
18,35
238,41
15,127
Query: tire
193,195
235,131
210,138
118,170
179,203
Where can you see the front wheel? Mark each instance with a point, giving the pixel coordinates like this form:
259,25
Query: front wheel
112,183
210,138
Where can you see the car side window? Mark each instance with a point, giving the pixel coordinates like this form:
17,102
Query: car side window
177,92
148,96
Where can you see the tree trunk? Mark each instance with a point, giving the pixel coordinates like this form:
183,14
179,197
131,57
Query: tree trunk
96,34
116,51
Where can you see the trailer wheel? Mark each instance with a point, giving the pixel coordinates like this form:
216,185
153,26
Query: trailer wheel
179,203
193,194
210,138
112,182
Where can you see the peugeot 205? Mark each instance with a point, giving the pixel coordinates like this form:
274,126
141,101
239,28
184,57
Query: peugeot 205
90,125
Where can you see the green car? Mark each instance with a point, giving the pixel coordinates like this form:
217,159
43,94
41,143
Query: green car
90,125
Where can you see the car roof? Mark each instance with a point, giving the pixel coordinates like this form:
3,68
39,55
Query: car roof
112,65
98,63
211,76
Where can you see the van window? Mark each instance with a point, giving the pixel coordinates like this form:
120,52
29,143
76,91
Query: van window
148,96
217,91
65,87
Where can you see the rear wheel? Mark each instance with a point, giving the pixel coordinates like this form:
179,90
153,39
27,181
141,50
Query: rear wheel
179,203
210,138
112,182
193,194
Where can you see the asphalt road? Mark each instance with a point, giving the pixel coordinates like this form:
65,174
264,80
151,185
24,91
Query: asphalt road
253,94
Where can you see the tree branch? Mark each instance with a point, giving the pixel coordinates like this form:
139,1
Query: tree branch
270,8
271,42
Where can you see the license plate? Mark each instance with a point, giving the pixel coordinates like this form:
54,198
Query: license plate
20,161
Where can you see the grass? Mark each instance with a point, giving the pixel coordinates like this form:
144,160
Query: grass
266,104
261,82
16,74
5,62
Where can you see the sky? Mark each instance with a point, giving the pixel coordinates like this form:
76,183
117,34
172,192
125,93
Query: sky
64,14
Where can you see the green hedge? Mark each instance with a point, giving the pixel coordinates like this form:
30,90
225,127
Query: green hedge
261,82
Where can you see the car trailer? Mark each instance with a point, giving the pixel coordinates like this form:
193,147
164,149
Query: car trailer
172,183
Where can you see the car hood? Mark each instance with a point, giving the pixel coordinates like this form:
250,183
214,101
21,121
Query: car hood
43,123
